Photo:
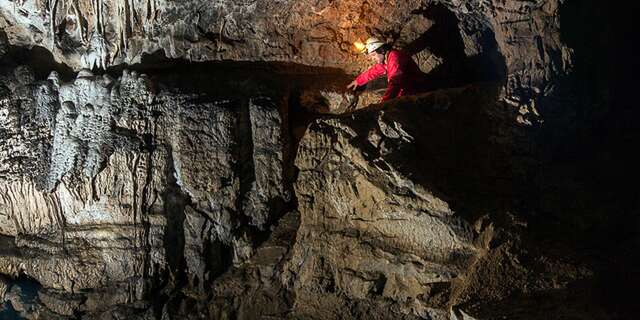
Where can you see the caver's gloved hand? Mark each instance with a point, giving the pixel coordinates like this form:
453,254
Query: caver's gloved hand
404,77
353,85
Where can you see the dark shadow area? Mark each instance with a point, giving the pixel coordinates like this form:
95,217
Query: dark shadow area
458,128
580,300
588,199
22,298
444,40
8,312
39,59
585,133
230,79
175,205
455,153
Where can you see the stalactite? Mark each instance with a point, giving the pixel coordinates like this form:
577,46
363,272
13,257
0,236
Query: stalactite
132,13
121,44
101,17
78,14
125,24
149,8
53,6
99,26
94,5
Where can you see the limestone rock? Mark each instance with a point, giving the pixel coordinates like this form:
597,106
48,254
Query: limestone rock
4,44
372,225
60,303
231,175
338,101
4,286
442,34
22,298
255,287
105,183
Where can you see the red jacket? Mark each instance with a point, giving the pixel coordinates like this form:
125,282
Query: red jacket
403,75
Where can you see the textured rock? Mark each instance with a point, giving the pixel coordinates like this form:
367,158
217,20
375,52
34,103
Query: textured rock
337,101
4,44
84,34
145,191
200,191
369,229
21,297
255,288
132,183
60,303
4,286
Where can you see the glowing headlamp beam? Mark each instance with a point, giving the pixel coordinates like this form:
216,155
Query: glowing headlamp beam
359,46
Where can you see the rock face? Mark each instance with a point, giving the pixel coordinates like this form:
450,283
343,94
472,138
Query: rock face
106,184
379,232
4,286
371,230
188,160
84,34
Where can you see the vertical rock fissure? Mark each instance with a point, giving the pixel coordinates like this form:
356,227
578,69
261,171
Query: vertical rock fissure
145,207
175,202
245,166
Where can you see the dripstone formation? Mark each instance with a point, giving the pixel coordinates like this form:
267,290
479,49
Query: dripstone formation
192,160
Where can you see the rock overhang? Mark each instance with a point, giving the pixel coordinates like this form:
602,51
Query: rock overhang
84,34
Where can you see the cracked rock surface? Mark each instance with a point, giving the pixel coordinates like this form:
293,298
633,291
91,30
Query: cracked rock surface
190,160
107,184
102,33
375,225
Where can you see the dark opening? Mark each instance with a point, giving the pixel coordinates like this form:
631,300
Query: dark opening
444,40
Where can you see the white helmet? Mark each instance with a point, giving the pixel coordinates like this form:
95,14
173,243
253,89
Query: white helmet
372,44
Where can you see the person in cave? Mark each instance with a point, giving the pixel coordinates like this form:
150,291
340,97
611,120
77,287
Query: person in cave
404,77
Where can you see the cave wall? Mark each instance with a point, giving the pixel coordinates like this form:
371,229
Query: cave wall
203,187
107,183
84,34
